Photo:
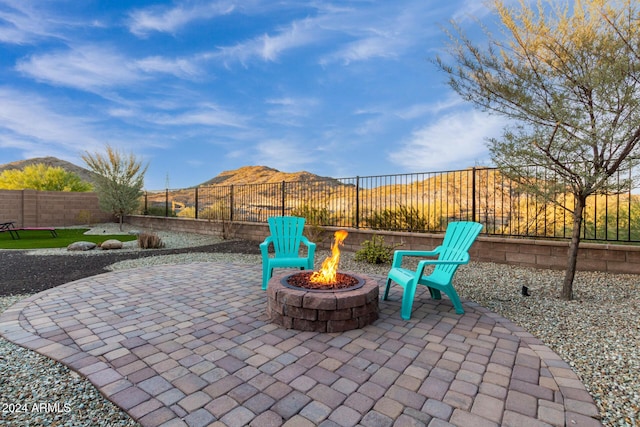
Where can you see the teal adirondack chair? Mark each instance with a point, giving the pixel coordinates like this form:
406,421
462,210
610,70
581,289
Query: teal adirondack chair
286,237
450,255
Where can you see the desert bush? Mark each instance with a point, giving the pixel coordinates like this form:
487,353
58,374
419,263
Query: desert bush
315,219
85,216
313,215
375,251
150,241
402,218
159,211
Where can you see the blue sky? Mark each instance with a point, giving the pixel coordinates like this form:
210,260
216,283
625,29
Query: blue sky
197,87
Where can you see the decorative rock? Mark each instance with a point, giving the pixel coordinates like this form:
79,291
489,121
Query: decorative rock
81,246
111,244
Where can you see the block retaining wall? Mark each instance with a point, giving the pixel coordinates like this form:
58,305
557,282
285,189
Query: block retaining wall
31,208
548,254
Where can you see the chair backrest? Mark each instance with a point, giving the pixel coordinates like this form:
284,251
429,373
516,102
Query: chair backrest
287,234
457,240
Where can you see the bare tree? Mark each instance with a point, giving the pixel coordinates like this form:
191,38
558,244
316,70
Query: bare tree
566,74
119,182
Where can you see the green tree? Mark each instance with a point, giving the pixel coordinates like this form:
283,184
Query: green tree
119,182
42,178
567,76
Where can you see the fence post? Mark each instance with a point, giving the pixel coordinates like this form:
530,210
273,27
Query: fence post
230,204
195,215
357,202
283,196
166,202
473,195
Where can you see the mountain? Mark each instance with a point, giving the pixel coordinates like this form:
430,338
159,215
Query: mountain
264,175
84,174
255,188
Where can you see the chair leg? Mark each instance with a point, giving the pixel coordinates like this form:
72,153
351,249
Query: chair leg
407,300
386,290
266,275
455,299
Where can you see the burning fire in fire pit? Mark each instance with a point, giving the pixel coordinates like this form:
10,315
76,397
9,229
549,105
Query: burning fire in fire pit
323,301
327,273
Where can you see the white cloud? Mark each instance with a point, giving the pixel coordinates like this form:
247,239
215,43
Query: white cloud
95,68
365,49
454,141
39,127
178,67
383,31
282,155
206,115
471,10
88,68
161,19
429,109
270,47
21,24
290,110
28,123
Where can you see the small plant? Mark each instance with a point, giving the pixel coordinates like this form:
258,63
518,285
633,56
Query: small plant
149,241
85,216
374,251
315,233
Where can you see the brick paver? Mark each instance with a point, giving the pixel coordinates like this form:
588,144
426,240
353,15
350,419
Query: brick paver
191,345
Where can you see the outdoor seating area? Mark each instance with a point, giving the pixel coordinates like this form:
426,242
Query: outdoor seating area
190,344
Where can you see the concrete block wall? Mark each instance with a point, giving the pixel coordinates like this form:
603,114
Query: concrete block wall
10,206
30,208
547,254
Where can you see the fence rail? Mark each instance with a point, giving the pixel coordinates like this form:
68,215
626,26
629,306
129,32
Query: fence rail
417,202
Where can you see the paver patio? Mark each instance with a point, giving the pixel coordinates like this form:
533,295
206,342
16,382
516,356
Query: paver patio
190,345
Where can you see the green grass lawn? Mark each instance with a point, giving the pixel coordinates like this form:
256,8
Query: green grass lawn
43,239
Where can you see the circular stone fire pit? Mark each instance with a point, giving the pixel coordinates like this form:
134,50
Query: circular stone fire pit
321,310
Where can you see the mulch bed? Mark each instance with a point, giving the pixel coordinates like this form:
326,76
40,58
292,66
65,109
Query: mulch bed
27,274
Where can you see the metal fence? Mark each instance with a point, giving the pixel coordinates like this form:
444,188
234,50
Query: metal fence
417,202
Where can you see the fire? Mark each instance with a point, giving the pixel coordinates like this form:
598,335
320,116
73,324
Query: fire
327,274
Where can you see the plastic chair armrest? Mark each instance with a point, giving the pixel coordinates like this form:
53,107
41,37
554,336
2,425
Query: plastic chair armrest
306,241
422,264
264,246
398,255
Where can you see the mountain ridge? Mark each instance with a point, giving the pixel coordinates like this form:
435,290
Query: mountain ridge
84,174
239,176
261,175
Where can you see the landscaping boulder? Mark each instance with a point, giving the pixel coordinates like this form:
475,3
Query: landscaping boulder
81,246
111,244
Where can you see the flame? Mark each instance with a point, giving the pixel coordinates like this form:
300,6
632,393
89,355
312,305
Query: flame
327,274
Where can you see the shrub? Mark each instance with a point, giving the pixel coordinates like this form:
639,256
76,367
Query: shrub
374,251
401,218
313,215
85,216
149,241
159,211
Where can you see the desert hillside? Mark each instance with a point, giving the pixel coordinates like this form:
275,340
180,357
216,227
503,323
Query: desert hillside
84,174
261,175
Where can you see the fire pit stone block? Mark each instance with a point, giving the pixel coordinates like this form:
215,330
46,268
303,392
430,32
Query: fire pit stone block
305,310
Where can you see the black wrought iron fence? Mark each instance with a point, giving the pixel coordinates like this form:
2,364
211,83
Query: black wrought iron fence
417,202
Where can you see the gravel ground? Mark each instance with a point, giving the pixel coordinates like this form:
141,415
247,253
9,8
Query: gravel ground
598,332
